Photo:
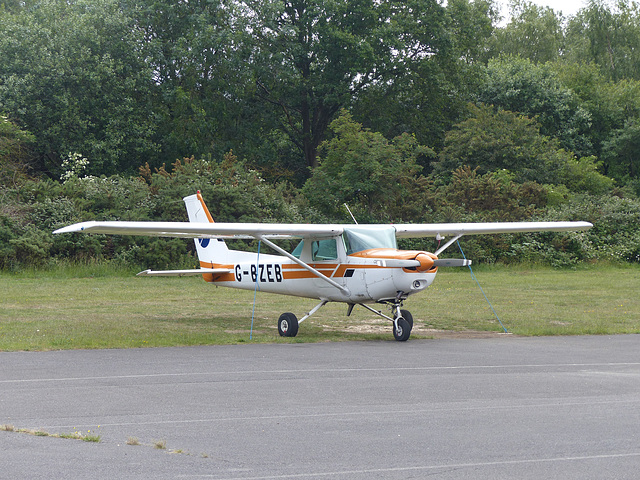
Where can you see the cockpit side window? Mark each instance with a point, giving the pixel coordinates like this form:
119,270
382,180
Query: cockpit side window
324,250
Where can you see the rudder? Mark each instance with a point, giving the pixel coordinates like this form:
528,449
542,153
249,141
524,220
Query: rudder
209,250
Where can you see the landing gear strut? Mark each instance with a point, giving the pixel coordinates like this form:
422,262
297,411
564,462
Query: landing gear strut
402,319
288,323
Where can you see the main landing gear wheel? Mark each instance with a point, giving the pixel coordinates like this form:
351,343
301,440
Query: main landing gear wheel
401,330
288,325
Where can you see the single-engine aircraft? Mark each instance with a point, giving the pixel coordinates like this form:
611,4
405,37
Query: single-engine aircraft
354,264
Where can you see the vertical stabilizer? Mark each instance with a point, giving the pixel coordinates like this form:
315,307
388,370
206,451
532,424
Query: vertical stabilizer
210,250
196,209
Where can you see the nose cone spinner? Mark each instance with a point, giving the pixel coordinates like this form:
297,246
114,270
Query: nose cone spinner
427,261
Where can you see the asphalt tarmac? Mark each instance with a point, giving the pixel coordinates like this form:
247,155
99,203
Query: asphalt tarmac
496,408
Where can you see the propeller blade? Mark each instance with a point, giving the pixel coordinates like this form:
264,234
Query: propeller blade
398,263
451,262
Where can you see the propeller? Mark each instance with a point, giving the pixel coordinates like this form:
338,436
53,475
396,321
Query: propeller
424,262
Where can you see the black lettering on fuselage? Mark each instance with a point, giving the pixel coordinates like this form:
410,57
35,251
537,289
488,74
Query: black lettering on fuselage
278,269
269,276
264,272
261,266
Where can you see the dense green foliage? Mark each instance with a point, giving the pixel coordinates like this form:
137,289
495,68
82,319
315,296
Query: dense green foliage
408,111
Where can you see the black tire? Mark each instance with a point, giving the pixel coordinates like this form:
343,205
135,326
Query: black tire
406,314
403,331
288,325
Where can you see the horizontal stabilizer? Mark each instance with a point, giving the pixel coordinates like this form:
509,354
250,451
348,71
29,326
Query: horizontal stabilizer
451,262
184,273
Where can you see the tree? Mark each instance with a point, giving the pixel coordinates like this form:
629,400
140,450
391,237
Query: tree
622,151
434,93
15,151
506,141
533,32
72,73
494,141
493,196
192,50
379,179
313,57
518,85
607,36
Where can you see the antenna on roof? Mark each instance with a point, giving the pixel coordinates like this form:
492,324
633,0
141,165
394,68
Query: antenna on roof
349,210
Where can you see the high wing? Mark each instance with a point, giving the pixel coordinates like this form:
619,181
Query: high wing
295,230
207,230
455,229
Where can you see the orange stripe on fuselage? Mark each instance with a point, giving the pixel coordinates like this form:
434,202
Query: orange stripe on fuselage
219,277
337,273
291,271
215,265
343,268
306,274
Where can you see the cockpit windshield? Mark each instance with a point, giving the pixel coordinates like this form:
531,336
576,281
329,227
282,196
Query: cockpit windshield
357,239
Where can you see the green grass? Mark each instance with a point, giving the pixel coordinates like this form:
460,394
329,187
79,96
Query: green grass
595,299
98,307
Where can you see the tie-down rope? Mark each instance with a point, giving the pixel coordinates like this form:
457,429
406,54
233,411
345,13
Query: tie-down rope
485,296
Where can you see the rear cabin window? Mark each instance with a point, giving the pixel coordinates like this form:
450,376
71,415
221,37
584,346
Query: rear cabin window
298,250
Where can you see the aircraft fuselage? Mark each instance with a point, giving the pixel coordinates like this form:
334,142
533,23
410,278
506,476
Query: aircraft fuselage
364,281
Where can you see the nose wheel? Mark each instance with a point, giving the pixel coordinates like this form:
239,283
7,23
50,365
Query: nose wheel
406,314
402,320
401,329
402,324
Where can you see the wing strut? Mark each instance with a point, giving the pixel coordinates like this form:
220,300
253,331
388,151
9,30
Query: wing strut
303,264
446,245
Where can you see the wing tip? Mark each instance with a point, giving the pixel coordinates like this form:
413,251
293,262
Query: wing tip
76,227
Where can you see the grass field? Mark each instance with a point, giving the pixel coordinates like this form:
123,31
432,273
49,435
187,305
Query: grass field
94,307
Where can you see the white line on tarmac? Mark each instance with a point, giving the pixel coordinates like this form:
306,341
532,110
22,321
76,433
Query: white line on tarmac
318,370
425,467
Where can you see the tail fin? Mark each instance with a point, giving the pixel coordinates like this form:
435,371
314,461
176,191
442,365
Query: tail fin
209,250
196,209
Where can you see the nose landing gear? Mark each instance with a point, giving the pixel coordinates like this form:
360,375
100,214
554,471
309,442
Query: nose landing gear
402,319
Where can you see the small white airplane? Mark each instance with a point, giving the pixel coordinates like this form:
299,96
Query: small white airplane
353,264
